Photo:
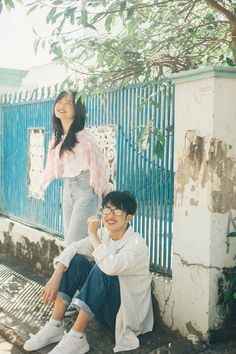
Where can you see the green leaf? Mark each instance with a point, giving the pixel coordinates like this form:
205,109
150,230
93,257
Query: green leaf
221,57
230,292
142,134
9,4
61,25
1,7
230,62
154,103
55,17
84,18
57,2
108,22
191,30
32,9
159,150
228,296
50,15
31,4
210,17
97,17
160,136
122,5
36,44
72,18
130,13
232,234
210,28
170,128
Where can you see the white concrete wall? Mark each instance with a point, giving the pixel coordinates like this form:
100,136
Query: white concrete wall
11,79
205,193
45,75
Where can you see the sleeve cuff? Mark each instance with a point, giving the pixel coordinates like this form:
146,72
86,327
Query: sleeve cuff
100,252
65,257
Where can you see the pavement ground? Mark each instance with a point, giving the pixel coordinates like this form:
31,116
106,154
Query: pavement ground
21,313
7,348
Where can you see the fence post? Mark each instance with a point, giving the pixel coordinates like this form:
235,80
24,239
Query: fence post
204,197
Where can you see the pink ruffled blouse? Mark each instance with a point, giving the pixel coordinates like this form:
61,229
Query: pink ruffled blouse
86,155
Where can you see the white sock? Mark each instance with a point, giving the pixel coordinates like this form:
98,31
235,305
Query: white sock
56,323
76,333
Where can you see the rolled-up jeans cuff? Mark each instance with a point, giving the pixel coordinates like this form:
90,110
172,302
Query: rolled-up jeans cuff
80,304
64,297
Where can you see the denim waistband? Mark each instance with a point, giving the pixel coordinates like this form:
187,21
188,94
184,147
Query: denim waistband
82,174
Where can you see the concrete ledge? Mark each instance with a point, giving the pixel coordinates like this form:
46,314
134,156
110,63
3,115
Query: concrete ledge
12,77
33,248
203,73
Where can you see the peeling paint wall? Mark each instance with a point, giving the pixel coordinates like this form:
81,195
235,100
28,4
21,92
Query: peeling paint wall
34,248
163,293
205,163
204,199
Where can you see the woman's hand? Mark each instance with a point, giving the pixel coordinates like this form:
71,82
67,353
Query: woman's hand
49,292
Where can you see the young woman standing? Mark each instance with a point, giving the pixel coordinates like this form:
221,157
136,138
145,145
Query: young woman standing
74,155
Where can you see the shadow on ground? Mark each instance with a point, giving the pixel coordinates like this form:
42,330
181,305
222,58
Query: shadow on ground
22,313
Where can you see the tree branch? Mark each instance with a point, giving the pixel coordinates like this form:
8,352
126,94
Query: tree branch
229,15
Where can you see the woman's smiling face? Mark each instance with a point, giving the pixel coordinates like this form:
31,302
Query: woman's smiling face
64,108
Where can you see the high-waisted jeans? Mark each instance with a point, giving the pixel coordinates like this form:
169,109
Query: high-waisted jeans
79,202
99,294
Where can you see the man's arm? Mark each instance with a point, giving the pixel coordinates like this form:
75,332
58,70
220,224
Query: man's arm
61,263
49,292
80,247
131,258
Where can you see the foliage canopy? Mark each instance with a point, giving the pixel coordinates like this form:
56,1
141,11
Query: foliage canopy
114,42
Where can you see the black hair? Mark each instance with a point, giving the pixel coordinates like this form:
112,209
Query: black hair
123,200
76,126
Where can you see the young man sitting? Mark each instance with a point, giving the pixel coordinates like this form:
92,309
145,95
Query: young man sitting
116,288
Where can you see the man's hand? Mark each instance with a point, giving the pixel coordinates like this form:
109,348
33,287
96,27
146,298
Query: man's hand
93,225
49,292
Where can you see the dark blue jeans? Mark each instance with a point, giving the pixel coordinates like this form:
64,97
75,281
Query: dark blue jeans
99,294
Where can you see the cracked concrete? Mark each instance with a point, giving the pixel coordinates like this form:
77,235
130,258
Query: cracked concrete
186,263
205,160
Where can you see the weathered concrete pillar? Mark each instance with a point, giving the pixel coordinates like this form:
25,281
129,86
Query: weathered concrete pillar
205,194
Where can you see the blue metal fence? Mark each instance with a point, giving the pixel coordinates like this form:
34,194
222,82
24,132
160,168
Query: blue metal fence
148,177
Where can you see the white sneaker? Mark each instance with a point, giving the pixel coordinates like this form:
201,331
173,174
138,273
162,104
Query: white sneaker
49,333
71,344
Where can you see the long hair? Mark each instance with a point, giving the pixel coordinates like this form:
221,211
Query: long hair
76,126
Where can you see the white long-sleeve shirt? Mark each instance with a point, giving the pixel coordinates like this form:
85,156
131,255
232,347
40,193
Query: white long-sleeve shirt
128,260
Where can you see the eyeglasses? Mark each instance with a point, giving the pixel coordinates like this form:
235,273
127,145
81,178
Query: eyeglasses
107,211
